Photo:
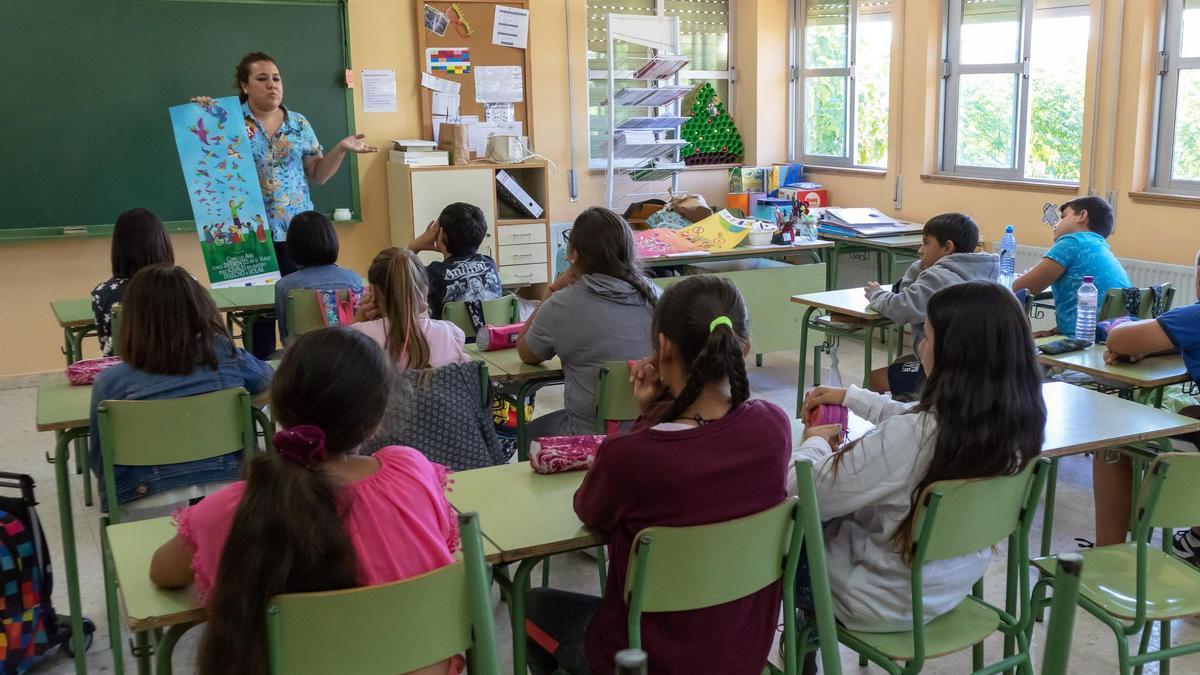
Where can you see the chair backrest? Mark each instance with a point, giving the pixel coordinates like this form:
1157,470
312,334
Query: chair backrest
390,628
614,395
499,312
972,514
1113,305
114,329
1168,497
172,431
304,311
813,537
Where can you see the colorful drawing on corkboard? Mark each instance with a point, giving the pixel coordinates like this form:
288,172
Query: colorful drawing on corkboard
452,60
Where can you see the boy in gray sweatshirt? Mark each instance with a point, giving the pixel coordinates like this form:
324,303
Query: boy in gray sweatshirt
947,257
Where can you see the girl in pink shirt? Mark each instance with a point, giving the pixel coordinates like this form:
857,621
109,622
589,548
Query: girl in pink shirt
315,515
396,315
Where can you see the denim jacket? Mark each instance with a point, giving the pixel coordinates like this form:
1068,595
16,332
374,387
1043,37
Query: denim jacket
235,368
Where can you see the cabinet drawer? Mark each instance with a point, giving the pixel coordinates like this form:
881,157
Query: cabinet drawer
533,233
524,274
522,254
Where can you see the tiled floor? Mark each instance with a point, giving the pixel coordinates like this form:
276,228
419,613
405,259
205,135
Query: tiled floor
1093,651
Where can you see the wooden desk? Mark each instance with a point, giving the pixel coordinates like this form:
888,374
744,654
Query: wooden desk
884,248
851,302
1152,372
77,321
1081,420
812,247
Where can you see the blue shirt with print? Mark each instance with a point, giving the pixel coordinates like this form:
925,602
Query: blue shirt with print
1182,326
1082,254
279,161
235,368
325,277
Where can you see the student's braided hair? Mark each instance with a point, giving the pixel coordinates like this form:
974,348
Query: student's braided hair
603,244
706,318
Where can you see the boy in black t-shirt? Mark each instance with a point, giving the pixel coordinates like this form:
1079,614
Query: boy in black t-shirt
464,274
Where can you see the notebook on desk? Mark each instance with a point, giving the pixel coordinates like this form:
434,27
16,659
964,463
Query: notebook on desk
863,222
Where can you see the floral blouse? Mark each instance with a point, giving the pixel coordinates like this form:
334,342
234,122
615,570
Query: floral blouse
104,296
279,161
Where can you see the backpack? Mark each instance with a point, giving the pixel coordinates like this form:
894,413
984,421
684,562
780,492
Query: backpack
338,307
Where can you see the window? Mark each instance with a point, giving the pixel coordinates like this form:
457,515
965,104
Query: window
1177,156
703,34
1013,95
846,59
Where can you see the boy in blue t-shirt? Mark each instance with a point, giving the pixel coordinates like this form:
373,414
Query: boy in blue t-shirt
465,274
1080,249
1175,331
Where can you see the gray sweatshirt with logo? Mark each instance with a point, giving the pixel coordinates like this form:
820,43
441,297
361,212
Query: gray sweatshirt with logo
907,304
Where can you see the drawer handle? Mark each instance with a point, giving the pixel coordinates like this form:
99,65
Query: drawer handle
526,235
526,275
522,255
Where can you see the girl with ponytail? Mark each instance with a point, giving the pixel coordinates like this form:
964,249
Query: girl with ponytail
315,515
599,310
702,452
396,314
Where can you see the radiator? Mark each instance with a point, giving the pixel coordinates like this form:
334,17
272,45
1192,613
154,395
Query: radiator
1142,273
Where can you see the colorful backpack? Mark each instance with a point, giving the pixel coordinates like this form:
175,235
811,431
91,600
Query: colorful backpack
338,307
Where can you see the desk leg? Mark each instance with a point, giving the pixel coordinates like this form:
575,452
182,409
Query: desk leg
803,357
831,269
166,646
82,466
1047,529
516,610
522,425
67,523
868,347
68,349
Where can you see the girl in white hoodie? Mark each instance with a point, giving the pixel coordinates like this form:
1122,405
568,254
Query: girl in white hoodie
980,414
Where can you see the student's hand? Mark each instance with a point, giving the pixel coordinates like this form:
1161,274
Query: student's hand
367,309
823,395
832,433
647,387
1045,333
429,239
202,100
1111,357
565,279
870,288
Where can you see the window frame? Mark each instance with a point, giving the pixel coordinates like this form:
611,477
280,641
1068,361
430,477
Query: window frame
686,74
801,73
1171,64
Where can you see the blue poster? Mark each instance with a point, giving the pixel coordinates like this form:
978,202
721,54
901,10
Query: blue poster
222,184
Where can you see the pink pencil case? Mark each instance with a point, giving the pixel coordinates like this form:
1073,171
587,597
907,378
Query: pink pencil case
555,454
492,337
828,414
84,372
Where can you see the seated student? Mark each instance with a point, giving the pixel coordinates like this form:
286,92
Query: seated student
314,515
395,314
138,239
1080,249
980,414
599,310
174,344
947,257
702,452
312,245
465,274
1176,331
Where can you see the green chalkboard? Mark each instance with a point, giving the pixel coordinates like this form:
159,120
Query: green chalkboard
85,132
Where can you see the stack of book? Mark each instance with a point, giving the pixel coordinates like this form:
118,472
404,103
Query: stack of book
863,223
419,153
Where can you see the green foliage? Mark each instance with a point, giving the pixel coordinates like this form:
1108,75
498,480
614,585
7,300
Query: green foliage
1186,158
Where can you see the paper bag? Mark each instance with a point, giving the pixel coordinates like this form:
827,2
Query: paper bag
454,139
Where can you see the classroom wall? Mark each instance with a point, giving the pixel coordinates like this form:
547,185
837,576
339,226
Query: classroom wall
383,35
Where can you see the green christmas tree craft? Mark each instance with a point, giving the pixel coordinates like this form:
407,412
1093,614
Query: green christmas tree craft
711,136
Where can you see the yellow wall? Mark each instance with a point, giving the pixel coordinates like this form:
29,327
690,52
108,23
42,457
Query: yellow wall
383,35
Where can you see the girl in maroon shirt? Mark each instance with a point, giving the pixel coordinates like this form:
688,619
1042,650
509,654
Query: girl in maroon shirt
701,453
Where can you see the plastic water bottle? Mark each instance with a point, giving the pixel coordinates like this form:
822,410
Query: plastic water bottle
1085,310
1008,256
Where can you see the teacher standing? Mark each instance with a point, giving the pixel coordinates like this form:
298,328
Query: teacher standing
286,152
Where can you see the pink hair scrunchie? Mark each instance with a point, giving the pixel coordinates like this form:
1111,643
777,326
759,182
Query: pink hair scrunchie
304,444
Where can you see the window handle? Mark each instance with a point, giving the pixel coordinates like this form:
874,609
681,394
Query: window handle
1025,67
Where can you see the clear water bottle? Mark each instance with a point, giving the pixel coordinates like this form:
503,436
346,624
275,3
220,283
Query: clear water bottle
1085,310
1008,256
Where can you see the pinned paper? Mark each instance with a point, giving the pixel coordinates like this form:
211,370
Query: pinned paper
511,27
498,112
452,60
499,84
379,90
436,21
438,84
445,104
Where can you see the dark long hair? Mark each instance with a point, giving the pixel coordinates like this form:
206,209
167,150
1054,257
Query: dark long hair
603,244
287,534
168,322
713,352
139,239
985,390
404,297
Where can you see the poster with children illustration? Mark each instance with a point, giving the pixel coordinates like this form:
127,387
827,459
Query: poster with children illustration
222,184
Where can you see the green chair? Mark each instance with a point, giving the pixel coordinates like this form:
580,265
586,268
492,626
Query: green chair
502,311
1062,615
304,311
390,628
675,569
957,517
155,433
1113,305
1130,586
614,396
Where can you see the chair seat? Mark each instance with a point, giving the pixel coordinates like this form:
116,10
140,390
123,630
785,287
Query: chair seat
1109,580
965,625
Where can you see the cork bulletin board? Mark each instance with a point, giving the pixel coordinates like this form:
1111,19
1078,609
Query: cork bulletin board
478,16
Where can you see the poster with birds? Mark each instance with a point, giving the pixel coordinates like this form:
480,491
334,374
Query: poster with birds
226,200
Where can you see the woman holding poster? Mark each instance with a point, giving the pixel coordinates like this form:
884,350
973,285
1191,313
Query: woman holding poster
286,152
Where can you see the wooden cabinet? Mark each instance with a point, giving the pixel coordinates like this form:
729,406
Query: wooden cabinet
519,244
